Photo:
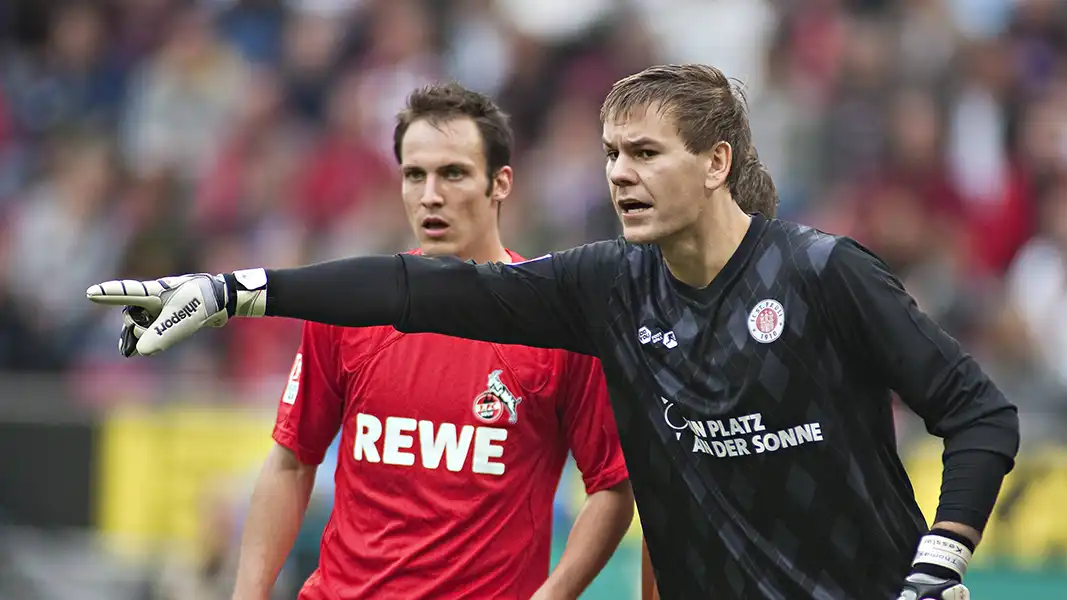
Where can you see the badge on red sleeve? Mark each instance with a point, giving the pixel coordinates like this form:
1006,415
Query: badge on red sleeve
294,380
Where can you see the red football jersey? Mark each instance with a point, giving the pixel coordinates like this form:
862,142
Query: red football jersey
451,452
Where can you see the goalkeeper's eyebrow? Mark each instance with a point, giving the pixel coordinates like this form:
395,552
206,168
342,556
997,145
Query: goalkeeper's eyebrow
631,145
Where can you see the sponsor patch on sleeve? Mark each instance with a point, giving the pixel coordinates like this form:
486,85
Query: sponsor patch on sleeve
294,380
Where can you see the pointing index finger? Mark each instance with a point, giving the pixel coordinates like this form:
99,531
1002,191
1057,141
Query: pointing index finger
126,292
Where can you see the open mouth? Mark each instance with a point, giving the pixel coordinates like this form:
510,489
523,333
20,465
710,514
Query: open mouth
633,207
434,226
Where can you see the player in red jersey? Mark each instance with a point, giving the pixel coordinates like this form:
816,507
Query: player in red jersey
451,450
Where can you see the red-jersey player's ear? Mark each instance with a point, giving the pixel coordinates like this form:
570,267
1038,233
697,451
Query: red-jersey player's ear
500,183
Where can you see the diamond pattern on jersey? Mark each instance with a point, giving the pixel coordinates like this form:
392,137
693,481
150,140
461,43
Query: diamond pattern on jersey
798,312
769,265
785,542
774,376
723,519
738,328
846,538
800,486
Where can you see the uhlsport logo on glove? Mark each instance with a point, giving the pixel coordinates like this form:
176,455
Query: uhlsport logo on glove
178,316
190,302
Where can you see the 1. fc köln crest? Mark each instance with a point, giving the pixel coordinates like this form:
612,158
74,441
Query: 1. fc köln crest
490,405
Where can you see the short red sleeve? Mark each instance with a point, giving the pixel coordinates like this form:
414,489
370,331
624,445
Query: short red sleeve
312,406
590,425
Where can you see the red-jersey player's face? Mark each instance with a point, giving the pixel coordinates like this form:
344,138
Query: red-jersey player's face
450,199
657,186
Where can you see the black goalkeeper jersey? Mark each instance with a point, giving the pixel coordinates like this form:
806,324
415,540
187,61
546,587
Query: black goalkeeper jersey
755,414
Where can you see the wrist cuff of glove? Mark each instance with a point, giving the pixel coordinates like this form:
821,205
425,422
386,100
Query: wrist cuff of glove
943,553
246,293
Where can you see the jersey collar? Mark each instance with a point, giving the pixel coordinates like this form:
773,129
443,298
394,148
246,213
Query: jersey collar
515,256
733,267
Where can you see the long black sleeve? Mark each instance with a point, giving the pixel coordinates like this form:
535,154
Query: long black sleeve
555,301
899,346
351,292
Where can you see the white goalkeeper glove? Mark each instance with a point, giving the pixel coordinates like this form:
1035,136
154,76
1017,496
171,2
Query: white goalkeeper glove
918,586
159,313
938,568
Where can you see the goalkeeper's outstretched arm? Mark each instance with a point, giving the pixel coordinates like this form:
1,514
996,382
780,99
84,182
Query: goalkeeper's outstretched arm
533,303
556,301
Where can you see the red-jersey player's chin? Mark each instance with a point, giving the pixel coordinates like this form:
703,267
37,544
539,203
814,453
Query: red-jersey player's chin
437,245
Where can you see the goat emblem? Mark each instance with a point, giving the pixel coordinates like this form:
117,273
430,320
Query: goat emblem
489,406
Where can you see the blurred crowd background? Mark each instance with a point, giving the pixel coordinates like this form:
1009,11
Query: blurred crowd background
140,138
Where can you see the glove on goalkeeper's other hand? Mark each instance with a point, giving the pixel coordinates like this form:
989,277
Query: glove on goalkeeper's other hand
159,313
938,568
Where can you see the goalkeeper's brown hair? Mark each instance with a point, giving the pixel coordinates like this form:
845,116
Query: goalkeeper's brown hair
707,109
441,102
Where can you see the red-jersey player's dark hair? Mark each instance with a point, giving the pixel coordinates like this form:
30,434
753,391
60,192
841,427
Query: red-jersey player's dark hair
442,102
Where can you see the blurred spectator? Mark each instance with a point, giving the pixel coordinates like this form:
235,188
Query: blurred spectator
563,192
312,45
61,235
254,28
1037,284
250,178
74,76
479,53
743,30
996,199
858,110
787,127
181,100
1007,350
400,56
346,163
926,40
23,346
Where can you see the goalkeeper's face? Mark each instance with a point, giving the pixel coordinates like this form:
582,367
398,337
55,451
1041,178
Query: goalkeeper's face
450,199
